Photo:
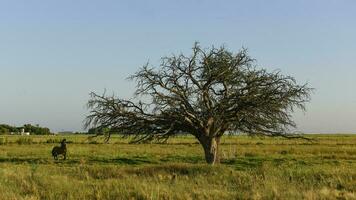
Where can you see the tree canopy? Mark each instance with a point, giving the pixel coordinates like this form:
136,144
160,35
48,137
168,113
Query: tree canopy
207,94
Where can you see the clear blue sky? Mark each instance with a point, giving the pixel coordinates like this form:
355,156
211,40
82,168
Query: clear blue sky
54,52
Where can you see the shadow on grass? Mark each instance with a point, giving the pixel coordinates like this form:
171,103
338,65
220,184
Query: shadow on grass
255,162
136,160
132,160
240,163
24,160
177,169
182,159
73,161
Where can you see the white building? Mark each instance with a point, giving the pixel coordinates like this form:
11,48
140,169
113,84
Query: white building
23,132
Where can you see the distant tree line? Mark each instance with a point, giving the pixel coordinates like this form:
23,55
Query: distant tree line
33,129
99,130
7,129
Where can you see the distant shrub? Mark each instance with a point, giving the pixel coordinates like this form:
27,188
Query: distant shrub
24,140
56,140
53,140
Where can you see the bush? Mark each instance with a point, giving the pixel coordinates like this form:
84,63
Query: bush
24,140
53,140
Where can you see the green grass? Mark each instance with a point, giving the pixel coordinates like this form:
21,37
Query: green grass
251,168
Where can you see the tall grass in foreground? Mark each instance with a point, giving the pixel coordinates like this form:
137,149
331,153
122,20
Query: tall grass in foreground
252,168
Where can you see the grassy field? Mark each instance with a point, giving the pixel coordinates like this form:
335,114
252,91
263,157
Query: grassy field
252,168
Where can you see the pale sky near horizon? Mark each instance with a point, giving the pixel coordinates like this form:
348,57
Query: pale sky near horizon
54,52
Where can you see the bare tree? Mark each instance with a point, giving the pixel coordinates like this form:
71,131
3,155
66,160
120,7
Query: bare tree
208,94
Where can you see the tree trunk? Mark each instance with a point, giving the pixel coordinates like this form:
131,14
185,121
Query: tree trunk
211,149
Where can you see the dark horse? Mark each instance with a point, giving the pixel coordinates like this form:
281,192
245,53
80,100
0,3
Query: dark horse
60,150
